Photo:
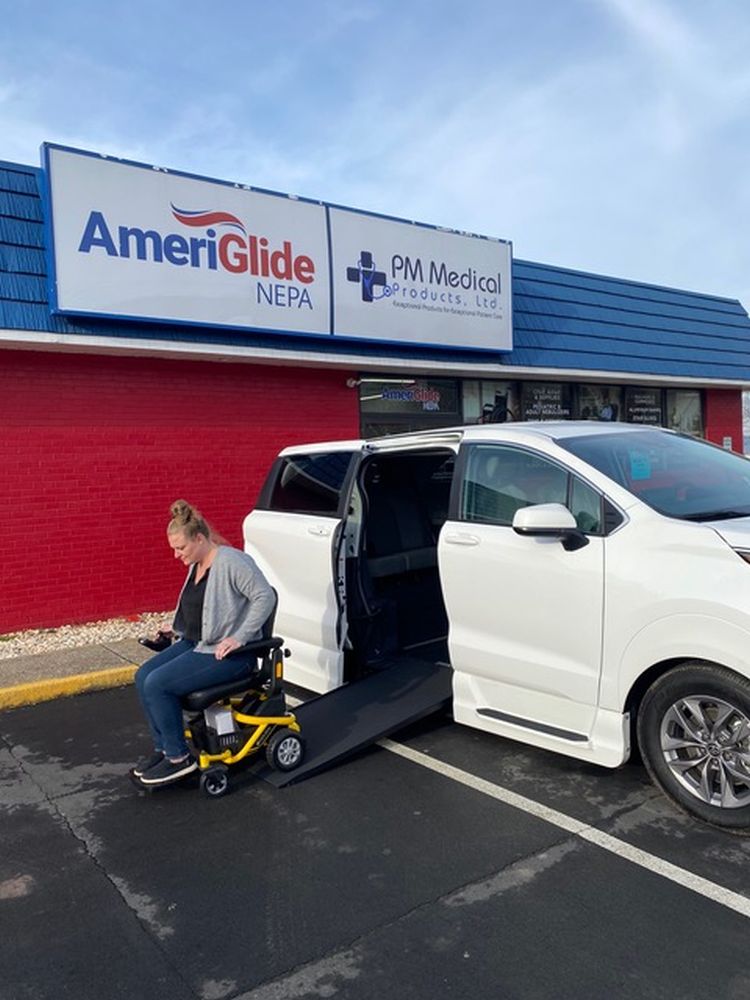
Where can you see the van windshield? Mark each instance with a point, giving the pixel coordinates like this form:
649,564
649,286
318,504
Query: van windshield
676,475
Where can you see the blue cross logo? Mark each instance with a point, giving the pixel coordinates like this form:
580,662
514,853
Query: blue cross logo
365,273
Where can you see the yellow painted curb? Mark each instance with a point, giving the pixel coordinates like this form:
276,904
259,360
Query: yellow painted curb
34,692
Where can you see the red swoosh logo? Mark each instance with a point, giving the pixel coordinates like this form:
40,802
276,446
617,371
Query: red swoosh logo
206,218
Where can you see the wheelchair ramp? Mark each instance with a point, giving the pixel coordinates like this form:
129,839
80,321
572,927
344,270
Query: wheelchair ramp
339,723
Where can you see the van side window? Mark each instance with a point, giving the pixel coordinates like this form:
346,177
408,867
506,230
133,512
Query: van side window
586,507
500,480
310,484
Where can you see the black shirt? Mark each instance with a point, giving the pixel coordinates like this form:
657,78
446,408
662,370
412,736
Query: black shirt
191,605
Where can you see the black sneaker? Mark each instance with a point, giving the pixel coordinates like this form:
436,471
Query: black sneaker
168,770
145,765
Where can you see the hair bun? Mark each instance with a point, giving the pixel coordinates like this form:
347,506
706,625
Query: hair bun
187,519
181,511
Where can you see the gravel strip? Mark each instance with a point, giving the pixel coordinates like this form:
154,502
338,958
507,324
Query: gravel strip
44,640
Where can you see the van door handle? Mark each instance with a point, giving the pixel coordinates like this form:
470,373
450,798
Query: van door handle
321,530
462,538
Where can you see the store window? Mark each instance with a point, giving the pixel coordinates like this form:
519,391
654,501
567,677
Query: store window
546,401
599,402
398,405
490,402
684,411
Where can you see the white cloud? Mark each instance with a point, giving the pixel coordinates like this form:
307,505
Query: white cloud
658,26
698,68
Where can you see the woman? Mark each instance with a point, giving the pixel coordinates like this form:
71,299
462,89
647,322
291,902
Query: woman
223,604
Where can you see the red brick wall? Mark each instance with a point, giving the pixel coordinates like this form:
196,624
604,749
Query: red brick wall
724,416
94,449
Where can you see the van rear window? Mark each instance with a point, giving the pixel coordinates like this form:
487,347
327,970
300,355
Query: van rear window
310,484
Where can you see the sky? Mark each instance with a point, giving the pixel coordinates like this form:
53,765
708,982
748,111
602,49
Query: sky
610,136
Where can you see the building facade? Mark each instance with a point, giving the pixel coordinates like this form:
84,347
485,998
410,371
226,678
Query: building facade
105,419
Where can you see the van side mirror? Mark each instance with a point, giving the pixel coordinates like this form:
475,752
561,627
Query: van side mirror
551,519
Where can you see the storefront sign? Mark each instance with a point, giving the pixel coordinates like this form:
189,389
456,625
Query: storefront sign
643,406
546,401
143,243
140,243
406,283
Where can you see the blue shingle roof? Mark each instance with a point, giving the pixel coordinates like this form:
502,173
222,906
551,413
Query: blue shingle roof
572,319
561,318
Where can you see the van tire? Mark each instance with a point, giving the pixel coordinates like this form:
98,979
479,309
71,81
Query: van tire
700,712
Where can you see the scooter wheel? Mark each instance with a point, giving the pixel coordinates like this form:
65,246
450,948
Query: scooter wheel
285,750
215,782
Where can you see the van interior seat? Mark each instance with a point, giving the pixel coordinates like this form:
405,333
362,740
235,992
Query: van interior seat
403,502
399,535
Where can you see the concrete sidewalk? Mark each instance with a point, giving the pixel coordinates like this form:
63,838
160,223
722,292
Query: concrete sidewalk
26,680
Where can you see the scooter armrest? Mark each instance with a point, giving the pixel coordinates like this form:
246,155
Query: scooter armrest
259,646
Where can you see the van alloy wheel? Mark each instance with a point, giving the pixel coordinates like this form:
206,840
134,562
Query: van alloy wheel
694,735
706,744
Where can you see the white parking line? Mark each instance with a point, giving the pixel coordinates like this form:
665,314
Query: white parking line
688,880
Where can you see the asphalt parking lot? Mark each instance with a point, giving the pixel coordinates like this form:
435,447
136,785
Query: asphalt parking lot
380,877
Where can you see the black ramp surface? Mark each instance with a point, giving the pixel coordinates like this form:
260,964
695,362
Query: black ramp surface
337,724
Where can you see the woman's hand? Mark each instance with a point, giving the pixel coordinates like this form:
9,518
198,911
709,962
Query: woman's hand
225,647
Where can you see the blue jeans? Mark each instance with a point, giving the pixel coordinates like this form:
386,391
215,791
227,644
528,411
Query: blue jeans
165,678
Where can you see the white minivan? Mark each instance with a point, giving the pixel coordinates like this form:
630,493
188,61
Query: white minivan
585,582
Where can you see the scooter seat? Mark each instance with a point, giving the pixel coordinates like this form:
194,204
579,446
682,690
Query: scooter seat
258,673
196,701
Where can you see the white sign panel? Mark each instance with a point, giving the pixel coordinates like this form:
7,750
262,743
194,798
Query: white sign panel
141,243
401,282
144,243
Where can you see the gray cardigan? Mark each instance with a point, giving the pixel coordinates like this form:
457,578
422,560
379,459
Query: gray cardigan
237,602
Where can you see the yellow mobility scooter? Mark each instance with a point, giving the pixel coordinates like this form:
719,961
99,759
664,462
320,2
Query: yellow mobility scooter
230,722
